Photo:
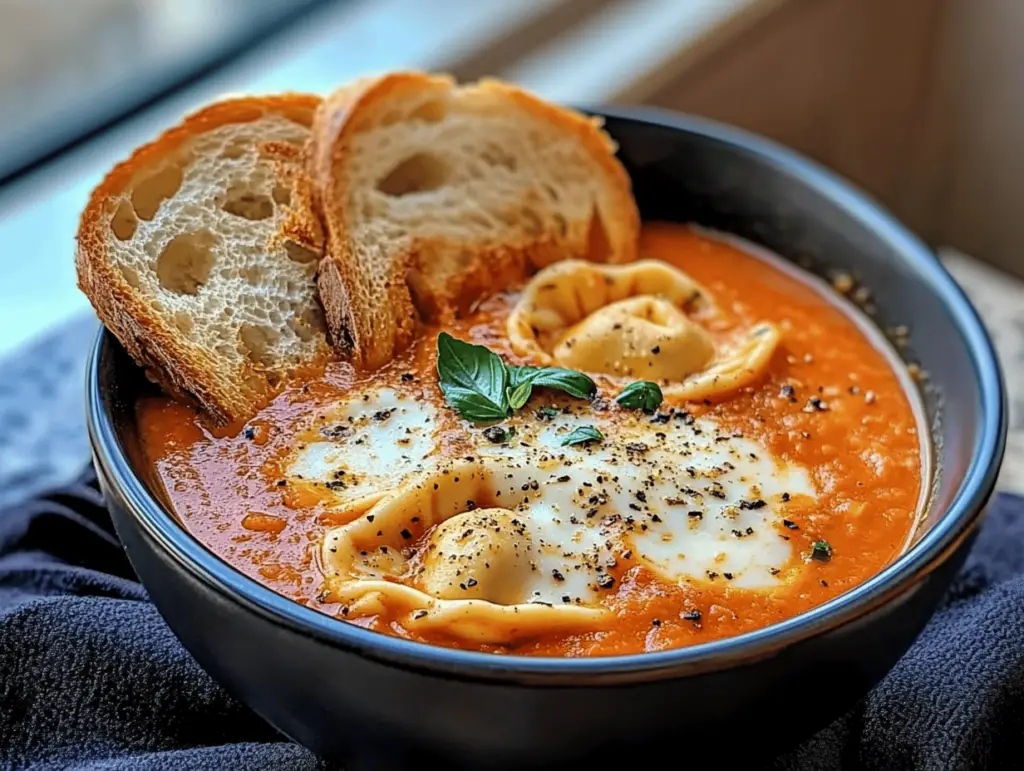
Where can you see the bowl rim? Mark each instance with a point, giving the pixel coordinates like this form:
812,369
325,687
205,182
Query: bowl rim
900,576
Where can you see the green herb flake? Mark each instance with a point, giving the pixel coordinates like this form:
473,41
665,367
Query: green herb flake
582,435
821,551
547,412
641,395
499,435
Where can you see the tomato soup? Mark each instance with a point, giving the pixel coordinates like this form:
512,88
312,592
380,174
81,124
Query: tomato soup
730,447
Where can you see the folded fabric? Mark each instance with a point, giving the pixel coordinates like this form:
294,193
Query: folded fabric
43,441
92,678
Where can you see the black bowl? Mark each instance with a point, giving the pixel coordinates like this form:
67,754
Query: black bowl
379,701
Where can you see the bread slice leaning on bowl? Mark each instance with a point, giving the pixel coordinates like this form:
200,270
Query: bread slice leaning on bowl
433,194
199,254
201,251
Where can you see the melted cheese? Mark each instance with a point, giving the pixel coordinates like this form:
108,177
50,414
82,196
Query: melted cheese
522,537
689,503
367,446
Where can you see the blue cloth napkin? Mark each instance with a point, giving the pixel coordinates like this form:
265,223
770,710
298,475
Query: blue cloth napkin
92,678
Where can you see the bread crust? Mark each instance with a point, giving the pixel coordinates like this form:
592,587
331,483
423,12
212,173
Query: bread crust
186,371
368,320
354,332
357,325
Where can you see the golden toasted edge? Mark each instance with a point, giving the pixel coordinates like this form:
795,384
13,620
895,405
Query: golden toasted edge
367,340
353,327
183,370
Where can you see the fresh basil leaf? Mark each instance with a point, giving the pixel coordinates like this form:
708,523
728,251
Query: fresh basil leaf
519,395
641,395
519,375
576,384
473,379
474,406
582,435
471,366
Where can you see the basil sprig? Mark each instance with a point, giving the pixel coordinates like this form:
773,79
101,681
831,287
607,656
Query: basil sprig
641,395
479,384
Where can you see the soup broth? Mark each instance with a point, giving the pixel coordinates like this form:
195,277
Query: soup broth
700,518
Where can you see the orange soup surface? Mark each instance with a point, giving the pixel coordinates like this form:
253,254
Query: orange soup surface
829,403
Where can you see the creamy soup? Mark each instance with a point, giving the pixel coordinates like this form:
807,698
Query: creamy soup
665,453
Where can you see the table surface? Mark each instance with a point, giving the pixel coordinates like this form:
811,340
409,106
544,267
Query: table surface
999,298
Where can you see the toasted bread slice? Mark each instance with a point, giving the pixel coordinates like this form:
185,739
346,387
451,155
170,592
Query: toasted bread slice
431,194
199,254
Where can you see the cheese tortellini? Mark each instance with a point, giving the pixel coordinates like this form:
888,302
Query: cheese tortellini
642,321
421,555
620,337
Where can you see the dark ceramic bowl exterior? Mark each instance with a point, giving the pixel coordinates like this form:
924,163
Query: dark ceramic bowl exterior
377,701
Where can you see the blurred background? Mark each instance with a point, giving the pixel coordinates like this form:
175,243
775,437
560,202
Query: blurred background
917,101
